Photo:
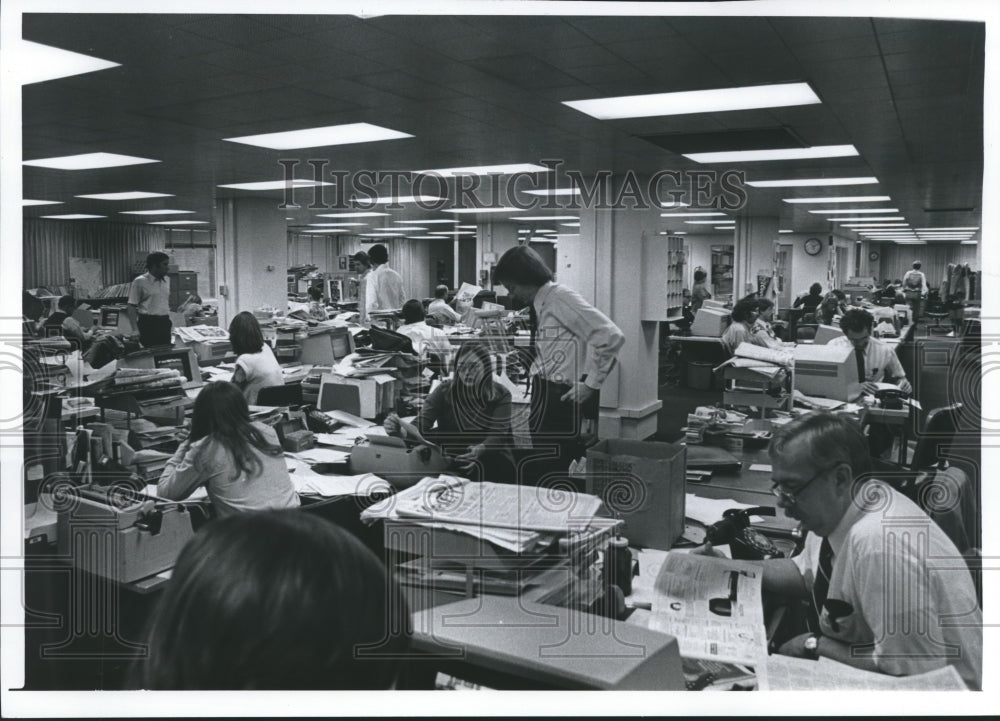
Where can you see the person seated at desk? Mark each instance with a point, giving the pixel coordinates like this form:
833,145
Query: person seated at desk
439,308
280,600
256,366
239,462
469,410
876,360
317,310
743,317
190,308
762,328
699,291
881,579
425,339
63,323
810,302
834,304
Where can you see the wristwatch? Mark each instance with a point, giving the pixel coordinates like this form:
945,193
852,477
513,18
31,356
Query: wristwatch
811,646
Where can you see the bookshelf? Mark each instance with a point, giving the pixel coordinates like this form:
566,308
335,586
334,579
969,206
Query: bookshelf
722,271
663,261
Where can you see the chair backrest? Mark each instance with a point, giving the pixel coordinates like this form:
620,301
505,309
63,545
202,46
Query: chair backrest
287,394
936,438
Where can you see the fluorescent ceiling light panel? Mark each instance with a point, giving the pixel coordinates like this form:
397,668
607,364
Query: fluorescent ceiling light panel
969,242
37,63
547,217
673,204
26,202
848,211
725,227
555,192
809,182
690,215
74,216
696,101
161,211
702,222
841,199
178,222
276,184
466,227
424,237
565,235
751,156
333,225
452,232
352,215
407,199
331,231
570,225
911,242
680,232
508,169
486,210
381,235
321,137
131,195
877,225
786,231
862,218
969,227
424,222
88,161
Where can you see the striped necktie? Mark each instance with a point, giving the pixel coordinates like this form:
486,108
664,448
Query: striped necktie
821,585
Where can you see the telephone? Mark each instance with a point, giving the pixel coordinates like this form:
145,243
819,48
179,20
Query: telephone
745,543
890,398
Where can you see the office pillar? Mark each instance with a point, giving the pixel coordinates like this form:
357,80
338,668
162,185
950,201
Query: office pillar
493,238
605,266
753,241
251,238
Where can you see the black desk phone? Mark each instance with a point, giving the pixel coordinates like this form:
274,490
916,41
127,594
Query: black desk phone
745,543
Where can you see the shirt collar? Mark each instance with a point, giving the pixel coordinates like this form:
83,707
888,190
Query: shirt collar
867,499
154,278
542,294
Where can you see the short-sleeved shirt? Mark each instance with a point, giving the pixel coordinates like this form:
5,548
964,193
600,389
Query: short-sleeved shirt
440,309
425,338
262,371
880,359
385,289
149,295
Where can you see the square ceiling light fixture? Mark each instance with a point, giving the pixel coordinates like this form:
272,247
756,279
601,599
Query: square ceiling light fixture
321,137
129,195
37,63
696,101
88,161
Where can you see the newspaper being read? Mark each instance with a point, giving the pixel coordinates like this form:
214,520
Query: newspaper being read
712,606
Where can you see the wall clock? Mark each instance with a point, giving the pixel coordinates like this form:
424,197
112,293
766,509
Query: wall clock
873,255
814,246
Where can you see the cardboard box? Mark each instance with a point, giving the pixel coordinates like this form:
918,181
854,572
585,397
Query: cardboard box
643,482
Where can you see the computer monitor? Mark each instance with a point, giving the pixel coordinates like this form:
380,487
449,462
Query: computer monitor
827,371
826,333
110,315
710,322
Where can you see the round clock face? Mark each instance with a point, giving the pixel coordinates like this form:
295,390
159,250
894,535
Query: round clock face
873,255
814,246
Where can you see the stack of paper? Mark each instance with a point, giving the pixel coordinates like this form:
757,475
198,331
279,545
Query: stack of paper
784,673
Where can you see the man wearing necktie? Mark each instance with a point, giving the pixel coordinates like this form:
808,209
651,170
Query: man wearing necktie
876,362
149,302
883,584
574,347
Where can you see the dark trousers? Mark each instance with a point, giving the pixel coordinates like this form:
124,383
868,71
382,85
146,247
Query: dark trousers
154,330
555,426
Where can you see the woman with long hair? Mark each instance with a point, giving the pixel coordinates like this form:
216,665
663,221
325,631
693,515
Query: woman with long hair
239,462
256,366
468,414
279,600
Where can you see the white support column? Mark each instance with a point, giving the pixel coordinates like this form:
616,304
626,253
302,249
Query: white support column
754,241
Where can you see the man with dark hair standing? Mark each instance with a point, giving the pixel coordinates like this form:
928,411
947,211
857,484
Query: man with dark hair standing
886,589
566,378
149,301
915,289
385,286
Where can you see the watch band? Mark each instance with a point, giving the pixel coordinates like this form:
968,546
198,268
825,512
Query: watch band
811,646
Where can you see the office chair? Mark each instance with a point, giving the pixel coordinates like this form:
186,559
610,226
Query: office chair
287,394
936,309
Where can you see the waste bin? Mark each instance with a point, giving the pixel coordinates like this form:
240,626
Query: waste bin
699,375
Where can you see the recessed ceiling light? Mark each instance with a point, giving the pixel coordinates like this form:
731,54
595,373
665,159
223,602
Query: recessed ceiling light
565,235
424,237
841,199
404,199
969,227
162,211
381,235
289,218
725,227
331,231
27,202
425,222
88,161
484,210
702,222
131,195
806,182
554,192
452,232
786,231
276,184
334,225
689,215
673,204
863,218
320,137
405,229
877,225
696,101
848,211
466,227
73,216
386,231
570,225
969,242
178,222
751,156
679,232
509,169
547,217
36,62
351,215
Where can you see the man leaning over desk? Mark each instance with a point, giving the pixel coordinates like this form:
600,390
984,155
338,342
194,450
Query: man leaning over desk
887,590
